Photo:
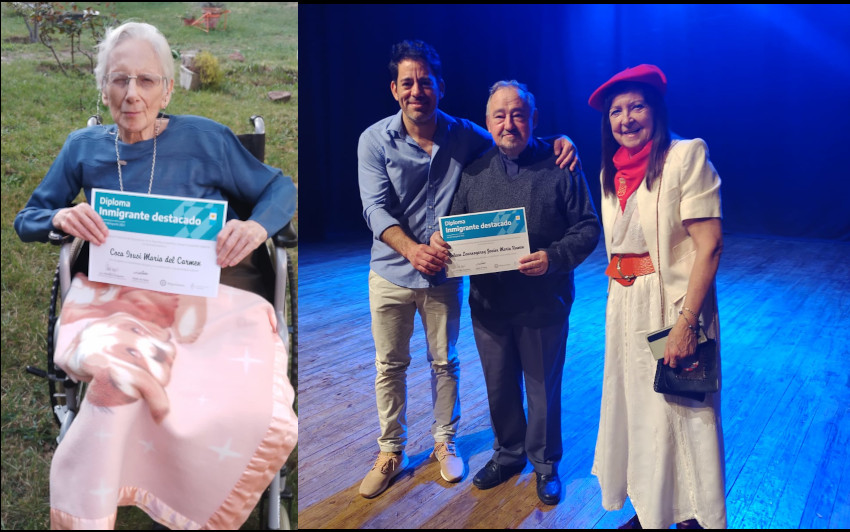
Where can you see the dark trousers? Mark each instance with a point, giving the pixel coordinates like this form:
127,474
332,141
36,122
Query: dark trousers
508,351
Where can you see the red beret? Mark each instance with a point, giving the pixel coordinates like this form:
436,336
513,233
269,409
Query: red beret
649,74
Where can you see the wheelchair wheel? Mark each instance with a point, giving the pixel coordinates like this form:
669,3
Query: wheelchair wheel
65,398
65,394
276,504
292,307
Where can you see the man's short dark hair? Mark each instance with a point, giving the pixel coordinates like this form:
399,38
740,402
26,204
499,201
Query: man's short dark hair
417,51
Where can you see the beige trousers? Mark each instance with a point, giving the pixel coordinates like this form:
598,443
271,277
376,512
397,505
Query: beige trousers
393,310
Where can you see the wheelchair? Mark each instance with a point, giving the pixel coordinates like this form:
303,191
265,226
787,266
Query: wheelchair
273,261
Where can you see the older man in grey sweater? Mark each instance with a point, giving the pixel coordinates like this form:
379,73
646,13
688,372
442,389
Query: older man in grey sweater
520,318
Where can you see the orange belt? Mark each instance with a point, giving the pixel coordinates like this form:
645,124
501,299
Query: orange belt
626,268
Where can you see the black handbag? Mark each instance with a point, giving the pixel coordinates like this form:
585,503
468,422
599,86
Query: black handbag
693,376
687,379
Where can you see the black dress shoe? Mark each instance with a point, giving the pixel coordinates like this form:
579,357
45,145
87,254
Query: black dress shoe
493,474
549,488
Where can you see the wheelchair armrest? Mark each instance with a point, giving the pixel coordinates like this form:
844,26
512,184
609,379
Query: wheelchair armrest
68,254
58,238
281,265
286,237
285,296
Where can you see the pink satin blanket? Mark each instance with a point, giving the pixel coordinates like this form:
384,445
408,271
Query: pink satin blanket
188,411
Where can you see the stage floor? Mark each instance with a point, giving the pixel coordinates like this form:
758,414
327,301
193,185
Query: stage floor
785,322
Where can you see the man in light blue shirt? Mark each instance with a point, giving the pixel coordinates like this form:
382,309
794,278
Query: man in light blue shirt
409,165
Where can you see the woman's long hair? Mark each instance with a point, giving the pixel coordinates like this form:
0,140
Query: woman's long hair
661,136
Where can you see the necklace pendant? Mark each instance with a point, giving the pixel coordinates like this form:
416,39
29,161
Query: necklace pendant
124,163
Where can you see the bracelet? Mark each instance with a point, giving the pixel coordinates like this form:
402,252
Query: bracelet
693,328
692,313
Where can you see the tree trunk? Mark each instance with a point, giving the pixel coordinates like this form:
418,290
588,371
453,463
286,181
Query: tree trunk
58,62
33,30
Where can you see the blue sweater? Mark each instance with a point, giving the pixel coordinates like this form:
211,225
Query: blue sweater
195,157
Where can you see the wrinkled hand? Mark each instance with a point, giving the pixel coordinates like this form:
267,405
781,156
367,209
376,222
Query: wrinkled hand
81,221
566,154
237,240
681,343
534,264
426,259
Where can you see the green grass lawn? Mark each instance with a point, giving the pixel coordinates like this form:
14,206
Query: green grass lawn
40,107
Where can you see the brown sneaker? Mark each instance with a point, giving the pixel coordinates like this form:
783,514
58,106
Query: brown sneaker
387,467
451,466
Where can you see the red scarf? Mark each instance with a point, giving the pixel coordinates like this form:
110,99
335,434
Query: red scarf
630,171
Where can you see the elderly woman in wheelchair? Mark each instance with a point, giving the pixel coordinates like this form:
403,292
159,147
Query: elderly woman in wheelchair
188,413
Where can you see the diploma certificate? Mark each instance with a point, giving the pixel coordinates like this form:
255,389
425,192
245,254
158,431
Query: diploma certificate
485,242
163,243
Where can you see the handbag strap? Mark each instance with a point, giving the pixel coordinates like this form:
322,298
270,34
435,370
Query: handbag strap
658,245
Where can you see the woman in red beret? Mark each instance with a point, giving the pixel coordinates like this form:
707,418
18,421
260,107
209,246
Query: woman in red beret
661,219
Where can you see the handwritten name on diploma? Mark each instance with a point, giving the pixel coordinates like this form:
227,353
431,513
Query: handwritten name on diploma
487,251
153,258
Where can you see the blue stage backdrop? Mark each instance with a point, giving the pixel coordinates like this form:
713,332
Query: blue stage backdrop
767,87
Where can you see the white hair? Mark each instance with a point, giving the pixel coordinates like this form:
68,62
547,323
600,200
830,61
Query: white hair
133,30
521,89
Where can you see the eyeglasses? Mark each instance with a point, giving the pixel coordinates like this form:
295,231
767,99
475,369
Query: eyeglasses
120,80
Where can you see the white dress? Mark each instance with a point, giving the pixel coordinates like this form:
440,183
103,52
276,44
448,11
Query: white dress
663,452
